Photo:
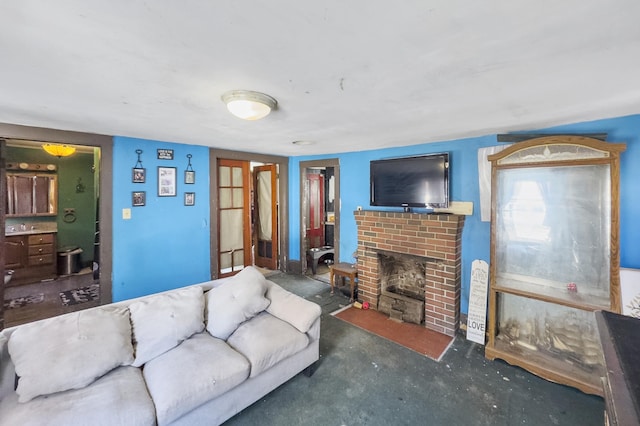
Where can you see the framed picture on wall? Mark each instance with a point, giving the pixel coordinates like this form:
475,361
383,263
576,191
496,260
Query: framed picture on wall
138,198
189,198
166,181
189,176
138,175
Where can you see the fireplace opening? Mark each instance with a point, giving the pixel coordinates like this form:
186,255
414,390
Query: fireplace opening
403,280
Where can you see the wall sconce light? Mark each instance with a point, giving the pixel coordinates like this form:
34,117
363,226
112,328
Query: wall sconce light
249,105
58,150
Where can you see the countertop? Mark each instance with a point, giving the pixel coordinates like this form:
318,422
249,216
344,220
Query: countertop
31,229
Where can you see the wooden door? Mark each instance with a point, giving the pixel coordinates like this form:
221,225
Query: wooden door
265,216
234,221
315,218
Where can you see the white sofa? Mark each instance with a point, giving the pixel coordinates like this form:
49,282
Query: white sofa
190,356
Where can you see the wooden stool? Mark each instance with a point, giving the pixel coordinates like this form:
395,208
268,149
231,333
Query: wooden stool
343,270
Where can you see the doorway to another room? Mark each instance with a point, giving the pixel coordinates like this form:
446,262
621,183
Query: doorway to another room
247,212
51,227
320,216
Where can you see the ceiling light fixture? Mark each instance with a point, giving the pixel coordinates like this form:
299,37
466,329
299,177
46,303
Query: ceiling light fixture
249,105
303,142
58,150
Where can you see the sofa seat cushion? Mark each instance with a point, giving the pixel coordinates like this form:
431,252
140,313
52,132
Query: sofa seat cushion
163,321
69,351
235,301
267,340
198,370
117,398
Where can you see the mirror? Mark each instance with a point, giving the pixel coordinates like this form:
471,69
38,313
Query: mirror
31,194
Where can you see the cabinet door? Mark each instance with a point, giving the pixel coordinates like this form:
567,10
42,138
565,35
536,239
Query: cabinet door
14,252
22,194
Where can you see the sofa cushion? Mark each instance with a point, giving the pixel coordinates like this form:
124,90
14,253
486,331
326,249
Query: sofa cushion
163,321
69,351
291,308
235,301
198,370
267,340
118,398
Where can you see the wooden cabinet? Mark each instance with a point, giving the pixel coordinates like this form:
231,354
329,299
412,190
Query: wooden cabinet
31,194
554,256
14,249
32,257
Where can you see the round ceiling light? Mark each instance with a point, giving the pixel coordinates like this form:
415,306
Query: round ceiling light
58,150
249,105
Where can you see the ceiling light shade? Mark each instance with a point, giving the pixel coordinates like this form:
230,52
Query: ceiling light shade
58,150
249,105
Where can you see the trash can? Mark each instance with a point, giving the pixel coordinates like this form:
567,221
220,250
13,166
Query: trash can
69,260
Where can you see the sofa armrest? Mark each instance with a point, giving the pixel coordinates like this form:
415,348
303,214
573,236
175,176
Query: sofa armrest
7,370
314,331
295,310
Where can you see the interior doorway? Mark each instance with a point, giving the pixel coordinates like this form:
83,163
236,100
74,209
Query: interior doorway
65,219
319,216
248,212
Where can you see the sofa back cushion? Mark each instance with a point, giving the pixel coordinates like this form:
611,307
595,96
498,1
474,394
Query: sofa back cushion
161,322
69,351
236,301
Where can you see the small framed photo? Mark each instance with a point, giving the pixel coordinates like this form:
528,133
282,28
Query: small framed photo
189,176
138,175
166,181
189,198
138,198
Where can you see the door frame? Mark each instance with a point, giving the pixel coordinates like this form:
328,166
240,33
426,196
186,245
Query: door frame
283,201
314,164
105,143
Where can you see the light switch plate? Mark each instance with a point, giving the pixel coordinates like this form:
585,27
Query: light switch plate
126,213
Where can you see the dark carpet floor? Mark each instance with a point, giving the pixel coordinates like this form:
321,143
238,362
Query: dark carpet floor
363,379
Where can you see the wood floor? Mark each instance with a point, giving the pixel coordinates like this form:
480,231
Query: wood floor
51,305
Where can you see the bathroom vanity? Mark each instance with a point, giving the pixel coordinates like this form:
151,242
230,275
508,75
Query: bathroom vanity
30,247
31,255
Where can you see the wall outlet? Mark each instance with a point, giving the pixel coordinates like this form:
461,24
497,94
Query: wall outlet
126,214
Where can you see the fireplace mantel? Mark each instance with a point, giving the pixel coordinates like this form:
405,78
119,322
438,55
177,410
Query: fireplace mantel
435,237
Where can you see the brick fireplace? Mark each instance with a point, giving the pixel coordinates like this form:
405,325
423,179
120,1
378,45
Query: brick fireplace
434,237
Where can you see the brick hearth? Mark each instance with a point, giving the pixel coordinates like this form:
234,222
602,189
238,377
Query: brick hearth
435,237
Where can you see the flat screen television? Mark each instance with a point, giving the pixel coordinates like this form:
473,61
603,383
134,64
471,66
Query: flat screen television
421,181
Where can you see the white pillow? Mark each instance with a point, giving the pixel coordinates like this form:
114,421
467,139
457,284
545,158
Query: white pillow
69,351
163,321
292,308
235,301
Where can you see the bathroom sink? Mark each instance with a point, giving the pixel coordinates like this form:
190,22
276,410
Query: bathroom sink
31,228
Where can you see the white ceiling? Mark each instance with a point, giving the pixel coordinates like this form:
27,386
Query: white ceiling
348,75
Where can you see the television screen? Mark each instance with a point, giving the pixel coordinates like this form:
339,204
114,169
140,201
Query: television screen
421,181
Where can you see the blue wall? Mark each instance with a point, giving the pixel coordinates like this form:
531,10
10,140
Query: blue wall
165,244
354,190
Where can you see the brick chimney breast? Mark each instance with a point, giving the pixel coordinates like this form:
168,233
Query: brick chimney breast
434,237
